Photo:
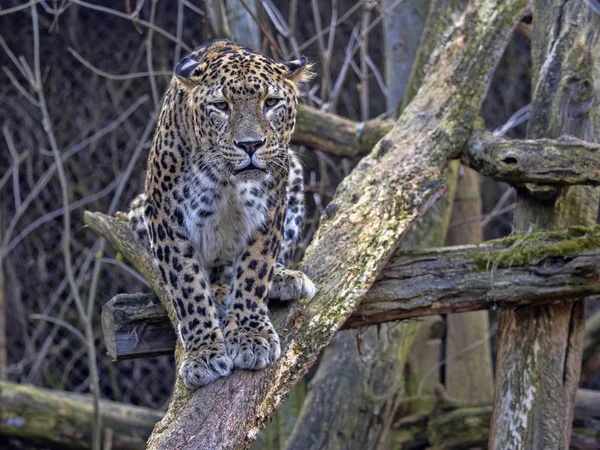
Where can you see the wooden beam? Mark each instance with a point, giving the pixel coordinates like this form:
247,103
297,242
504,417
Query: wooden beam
539,347
64,420
563,161
414,284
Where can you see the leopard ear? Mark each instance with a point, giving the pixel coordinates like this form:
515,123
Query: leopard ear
299,70
184,69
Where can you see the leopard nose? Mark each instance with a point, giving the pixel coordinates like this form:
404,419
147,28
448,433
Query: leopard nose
249,146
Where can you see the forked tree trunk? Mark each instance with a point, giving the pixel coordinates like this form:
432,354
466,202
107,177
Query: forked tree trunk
539,347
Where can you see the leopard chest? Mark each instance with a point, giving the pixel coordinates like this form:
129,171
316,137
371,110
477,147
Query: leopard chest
221,219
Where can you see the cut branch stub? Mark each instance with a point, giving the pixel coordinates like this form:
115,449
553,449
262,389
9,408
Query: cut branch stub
563,161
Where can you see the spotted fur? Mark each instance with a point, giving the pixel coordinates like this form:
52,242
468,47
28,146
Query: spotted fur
223,205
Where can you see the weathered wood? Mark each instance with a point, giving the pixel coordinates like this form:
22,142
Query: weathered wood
539,347
468,368
506,273
337,135
465,427
372,209
563,161
65,420
136,324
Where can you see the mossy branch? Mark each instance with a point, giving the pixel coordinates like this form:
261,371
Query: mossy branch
536,268
64,420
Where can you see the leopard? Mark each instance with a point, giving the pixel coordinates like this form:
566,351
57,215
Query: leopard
223,205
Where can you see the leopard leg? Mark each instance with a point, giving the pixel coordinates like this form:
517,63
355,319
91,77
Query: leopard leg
252,342
290,284
220,278
137,220
188,284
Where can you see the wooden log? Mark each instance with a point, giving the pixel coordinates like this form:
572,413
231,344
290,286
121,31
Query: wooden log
373,208
64,420
539,347
563,161
510,272
468,369
338,135
469,427
137,324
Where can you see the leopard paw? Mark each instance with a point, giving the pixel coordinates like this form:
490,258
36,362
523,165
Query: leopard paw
205,366
291,285
252,346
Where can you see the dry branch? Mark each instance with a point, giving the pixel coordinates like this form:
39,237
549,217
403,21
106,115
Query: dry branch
65,420
337,135
564,161
371,211
562,266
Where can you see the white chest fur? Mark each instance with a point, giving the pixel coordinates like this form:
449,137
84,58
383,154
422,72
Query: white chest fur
220,220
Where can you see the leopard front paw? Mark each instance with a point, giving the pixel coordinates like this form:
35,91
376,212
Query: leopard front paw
253,345
291,285
205,366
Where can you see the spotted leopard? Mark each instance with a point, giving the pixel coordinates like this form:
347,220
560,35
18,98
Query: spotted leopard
223,205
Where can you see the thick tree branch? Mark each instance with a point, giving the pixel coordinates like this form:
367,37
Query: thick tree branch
337,135
515,271
563,161
372,209
64,420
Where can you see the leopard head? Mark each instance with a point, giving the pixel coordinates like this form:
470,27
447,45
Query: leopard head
241,106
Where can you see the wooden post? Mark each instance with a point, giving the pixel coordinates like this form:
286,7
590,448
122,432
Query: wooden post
539,347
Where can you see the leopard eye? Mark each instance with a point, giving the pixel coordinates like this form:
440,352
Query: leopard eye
270,102
223,106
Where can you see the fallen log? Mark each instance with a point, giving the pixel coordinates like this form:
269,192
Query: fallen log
64,420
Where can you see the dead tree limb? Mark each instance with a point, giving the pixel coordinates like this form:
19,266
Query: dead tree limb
337,135
65,420
510,272
563,161
372,209
539,347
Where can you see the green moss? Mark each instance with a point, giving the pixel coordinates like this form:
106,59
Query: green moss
527,249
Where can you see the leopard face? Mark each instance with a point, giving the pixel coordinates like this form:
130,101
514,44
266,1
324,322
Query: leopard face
243,108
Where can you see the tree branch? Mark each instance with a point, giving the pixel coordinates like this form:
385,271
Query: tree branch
64,419
563,161
413,284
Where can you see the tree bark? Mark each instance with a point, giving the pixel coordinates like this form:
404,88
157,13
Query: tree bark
370,363
468,355
539,348
65,420
509,272
370,213
563,161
